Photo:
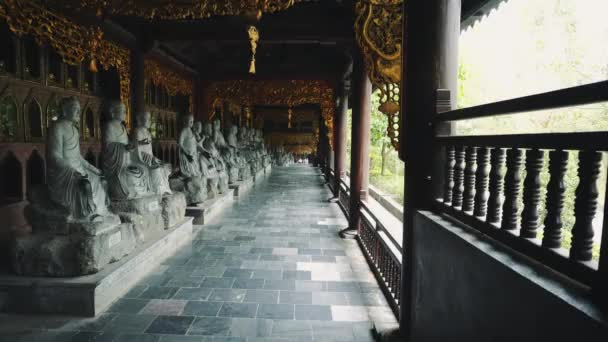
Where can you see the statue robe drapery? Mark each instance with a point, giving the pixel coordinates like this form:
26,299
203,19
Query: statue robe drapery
72,181
127,178
159,171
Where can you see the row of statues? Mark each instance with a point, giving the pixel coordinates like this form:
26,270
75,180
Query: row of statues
210,160
85,217
281,157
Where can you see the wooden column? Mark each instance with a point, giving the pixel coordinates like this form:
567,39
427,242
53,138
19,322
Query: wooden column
340,138
137,84
360,135
430,62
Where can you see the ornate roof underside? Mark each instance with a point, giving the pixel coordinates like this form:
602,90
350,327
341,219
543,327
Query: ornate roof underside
475,10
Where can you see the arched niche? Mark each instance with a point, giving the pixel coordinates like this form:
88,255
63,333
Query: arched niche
52,112
88,124
11,179
9,125
34,120
36,170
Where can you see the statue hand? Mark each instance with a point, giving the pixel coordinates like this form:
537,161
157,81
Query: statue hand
129,147
190,158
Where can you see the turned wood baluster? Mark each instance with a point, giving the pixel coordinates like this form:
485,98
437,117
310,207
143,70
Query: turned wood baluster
530,218
515,159
469,181
458,178
482,182
552,233
499,156
585,205
449,174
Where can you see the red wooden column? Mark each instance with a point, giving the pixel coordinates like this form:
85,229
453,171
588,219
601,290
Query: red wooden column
340,138
360,135
430,60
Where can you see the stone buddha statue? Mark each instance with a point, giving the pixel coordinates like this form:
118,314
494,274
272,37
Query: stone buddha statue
210,146
207,163
233,144
194,183
72,182
226,152
127,176
159,171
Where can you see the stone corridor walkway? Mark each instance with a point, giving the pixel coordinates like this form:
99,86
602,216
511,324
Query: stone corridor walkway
271,268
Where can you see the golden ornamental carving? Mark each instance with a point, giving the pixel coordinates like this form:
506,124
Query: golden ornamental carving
378,29
74,43
288,93
175,83
176,9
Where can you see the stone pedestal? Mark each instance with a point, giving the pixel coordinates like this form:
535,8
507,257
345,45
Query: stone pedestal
242,187
203,212
91,294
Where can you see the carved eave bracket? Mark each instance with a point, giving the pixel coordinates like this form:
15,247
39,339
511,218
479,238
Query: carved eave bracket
378,29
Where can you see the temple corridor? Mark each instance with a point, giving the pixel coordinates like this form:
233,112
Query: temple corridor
270,268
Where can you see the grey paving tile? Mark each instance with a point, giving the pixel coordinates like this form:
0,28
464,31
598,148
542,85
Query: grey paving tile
280,285
248,284
245,310
158,292
313,312
276,311
169,307
296,275
237,273
210,326
173,325
251,328
192,293
227,295
195,308
217,283
128,305
129,323
332,298
294,297
262,296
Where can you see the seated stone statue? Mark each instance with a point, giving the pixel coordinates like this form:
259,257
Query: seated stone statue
127,176
192,181
233,143
226,152
73,182
209,145
207,163
159,171
69,216
246,148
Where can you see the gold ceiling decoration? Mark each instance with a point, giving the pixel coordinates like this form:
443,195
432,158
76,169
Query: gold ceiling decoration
174,82
254,36
378,29
73,42
289,93
176,9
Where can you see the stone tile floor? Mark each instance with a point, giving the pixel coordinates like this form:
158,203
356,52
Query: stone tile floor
270,268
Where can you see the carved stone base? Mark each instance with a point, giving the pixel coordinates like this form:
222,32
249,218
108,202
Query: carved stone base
174,209
89,295
242,187
195,189
85,250
145,213
203,212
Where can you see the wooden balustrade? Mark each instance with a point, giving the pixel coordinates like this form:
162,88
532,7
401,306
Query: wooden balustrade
479,175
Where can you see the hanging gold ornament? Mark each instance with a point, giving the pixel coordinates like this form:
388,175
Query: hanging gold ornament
289,113
254,36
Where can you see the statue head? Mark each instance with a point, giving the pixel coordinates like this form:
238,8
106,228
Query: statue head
189,120
198,127
70,109
143,119
208,129
216,125
234,129
117,111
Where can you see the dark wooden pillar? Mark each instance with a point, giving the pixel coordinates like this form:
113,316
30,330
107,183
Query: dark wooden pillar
340,138
137,83
430,62
360,135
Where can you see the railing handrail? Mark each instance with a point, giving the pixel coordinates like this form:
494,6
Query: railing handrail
597,141
567,97
379,227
